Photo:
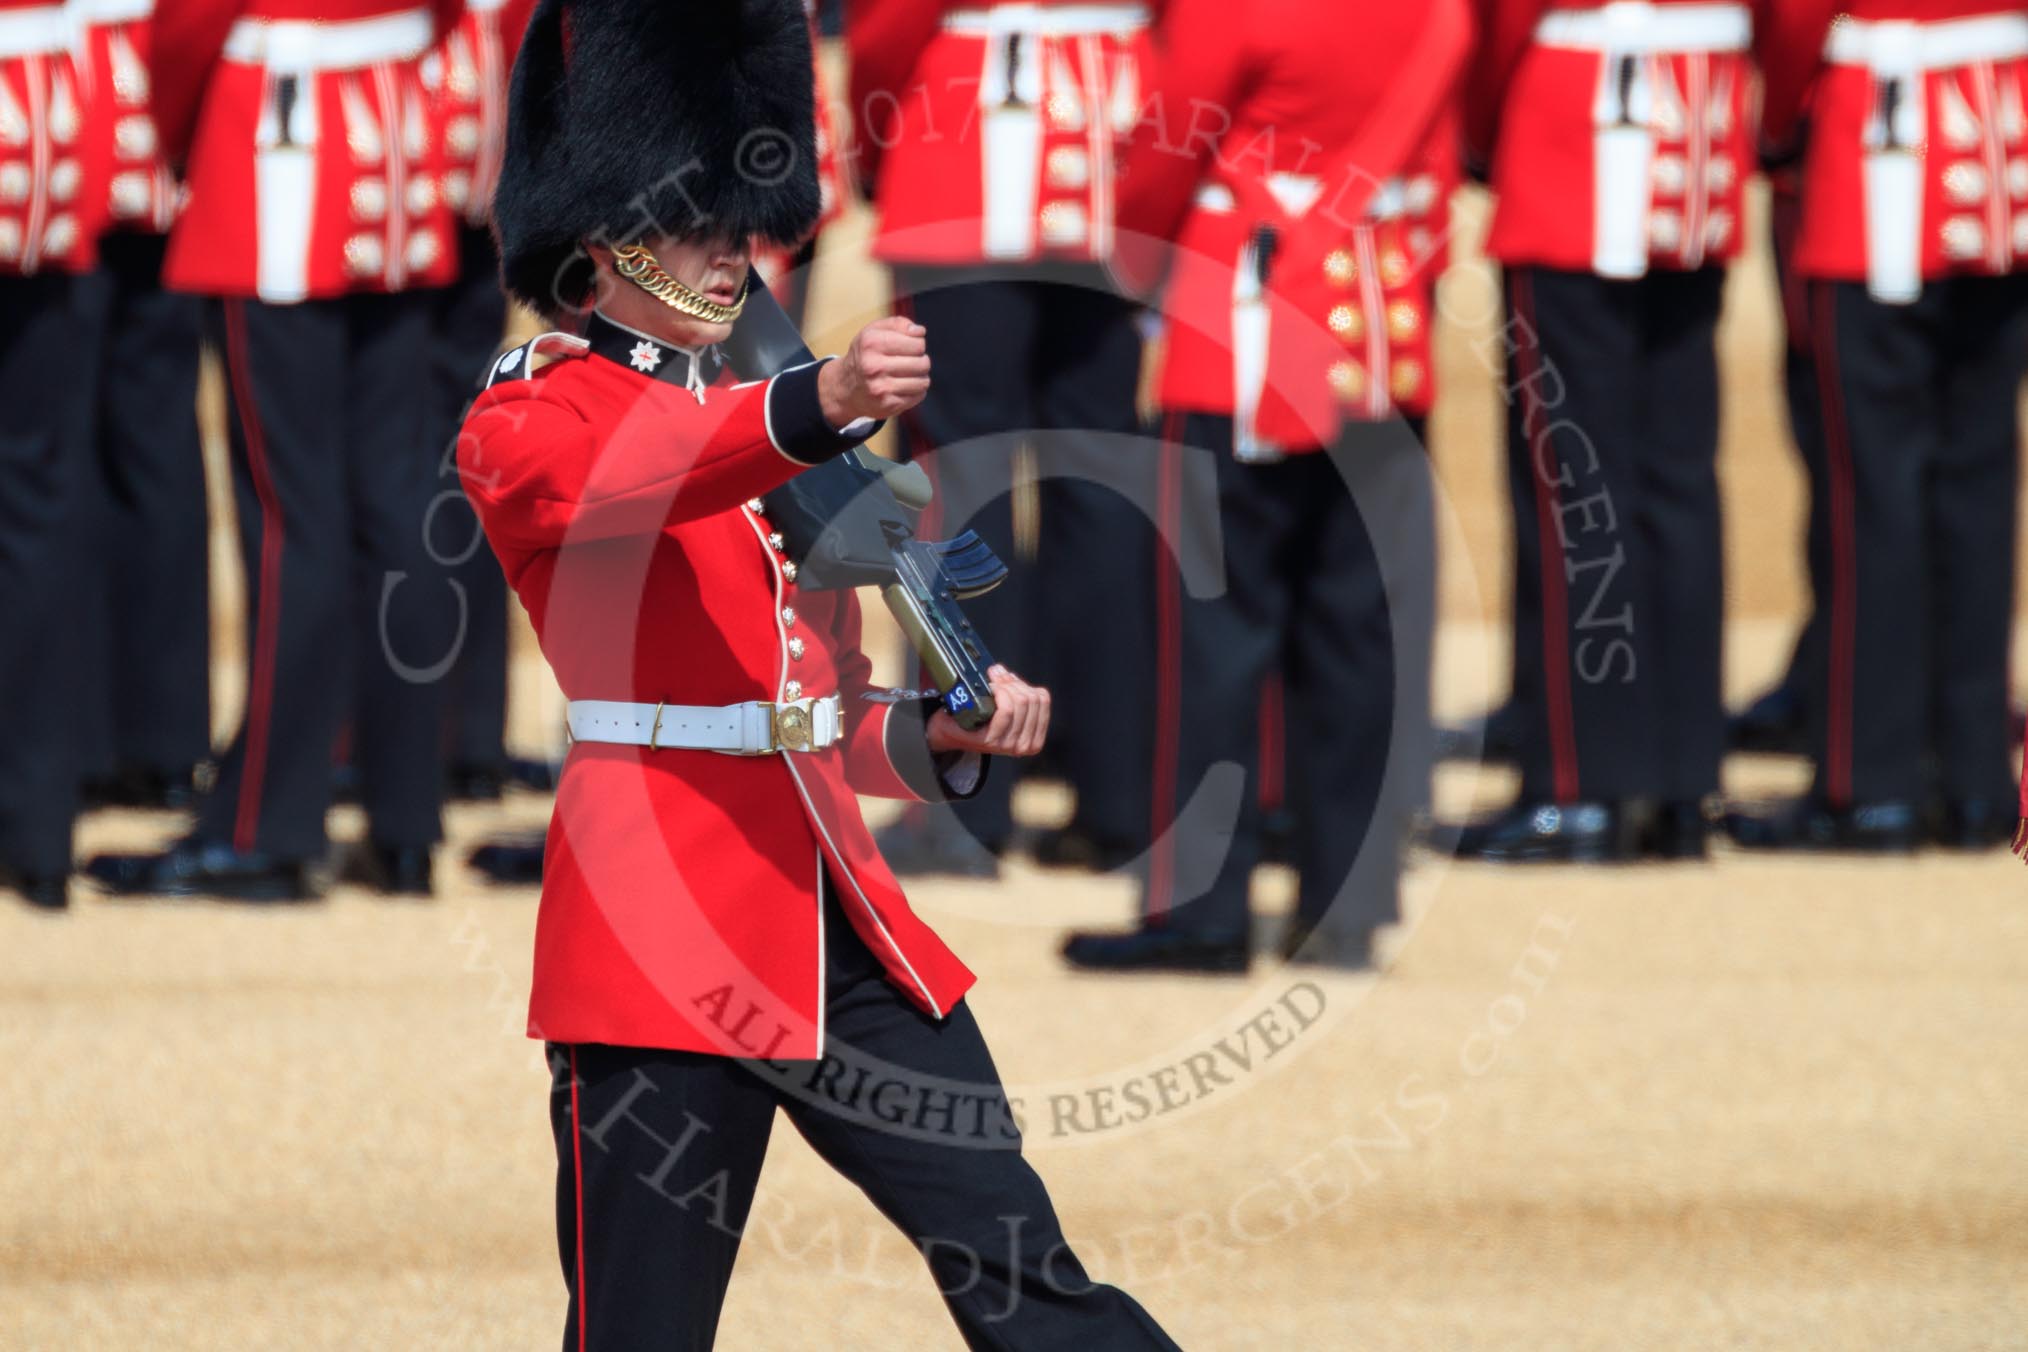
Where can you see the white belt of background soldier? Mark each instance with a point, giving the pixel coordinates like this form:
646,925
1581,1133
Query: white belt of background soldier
1633,27
1047,21
754,728
305,45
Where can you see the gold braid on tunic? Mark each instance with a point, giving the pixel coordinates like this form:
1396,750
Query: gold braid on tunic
635,263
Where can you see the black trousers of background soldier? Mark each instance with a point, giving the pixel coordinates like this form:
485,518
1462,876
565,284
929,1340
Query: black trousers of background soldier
1329,573
333,482
1921,467
467,326
658,1153
149,680
1049,362
44,552
1612,455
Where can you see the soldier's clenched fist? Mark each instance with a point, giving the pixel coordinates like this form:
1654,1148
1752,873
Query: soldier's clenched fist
884,373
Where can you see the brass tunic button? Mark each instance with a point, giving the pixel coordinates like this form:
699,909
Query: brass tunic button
775,541
794,690
796,649
789,571
789,616
753,504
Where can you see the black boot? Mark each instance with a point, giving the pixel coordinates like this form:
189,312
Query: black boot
1552,833
1889,826
1156,950
1679,830
391,870
1071,847
510,863
1776,724
193,868
1975,823
44,892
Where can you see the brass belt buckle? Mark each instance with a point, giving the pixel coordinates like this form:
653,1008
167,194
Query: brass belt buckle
792,726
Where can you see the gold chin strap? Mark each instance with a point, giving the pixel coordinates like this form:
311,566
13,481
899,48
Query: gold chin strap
635,263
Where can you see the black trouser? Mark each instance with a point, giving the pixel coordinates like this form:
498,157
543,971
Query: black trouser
668,1147
1806,425
334,470
469,321
1919,405
46,562
1612,451
150,682
1329,565
1048,361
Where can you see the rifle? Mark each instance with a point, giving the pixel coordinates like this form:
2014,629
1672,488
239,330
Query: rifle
851,522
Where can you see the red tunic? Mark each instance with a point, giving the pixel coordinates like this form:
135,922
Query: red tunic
52,182
680,902
1939,186
116,35
1337,134
1618,136
466,75
988,132
308,144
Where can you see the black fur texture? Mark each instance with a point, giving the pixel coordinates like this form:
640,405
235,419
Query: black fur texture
689,118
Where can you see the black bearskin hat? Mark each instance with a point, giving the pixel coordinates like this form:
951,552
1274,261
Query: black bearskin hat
635,118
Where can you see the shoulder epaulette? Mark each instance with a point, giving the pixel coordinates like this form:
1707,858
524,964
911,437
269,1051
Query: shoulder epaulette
519,363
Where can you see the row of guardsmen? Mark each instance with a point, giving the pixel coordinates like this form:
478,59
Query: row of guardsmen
1252,586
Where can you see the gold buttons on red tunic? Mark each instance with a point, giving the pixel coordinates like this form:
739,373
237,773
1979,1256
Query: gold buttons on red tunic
794,690
1406,381
796,649
1340,268
775,541
1348,379
789,616
1345,321
789,570
1404,321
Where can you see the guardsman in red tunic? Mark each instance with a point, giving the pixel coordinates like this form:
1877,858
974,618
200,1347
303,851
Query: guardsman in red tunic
51,206
988,135
718,934
1294,172
466,76
1910,118
315,221
150,682
1618,138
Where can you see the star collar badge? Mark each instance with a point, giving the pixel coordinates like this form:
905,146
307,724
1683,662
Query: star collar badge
646,356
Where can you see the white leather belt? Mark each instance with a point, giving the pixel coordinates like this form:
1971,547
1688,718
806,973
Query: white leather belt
1046,21
308,44
1635,27
111,11
755,728
1910,46
34,32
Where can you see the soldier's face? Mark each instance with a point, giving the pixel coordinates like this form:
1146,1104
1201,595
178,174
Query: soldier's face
714,269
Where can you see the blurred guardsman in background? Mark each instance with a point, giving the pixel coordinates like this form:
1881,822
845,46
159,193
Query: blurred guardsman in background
988,134
466,76
151,673
1300,157
1911,120
719,936
52,195
1618,139
316,222
1777,721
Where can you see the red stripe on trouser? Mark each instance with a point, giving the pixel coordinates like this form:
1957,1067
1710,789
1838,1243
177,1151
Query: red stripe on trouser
267,614
577,1198
1273,789
1844,569
1555,596
1168,669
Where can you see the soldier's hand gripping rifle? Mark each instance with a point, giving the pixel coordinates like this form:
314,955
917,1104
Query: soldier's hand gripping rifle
851,522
